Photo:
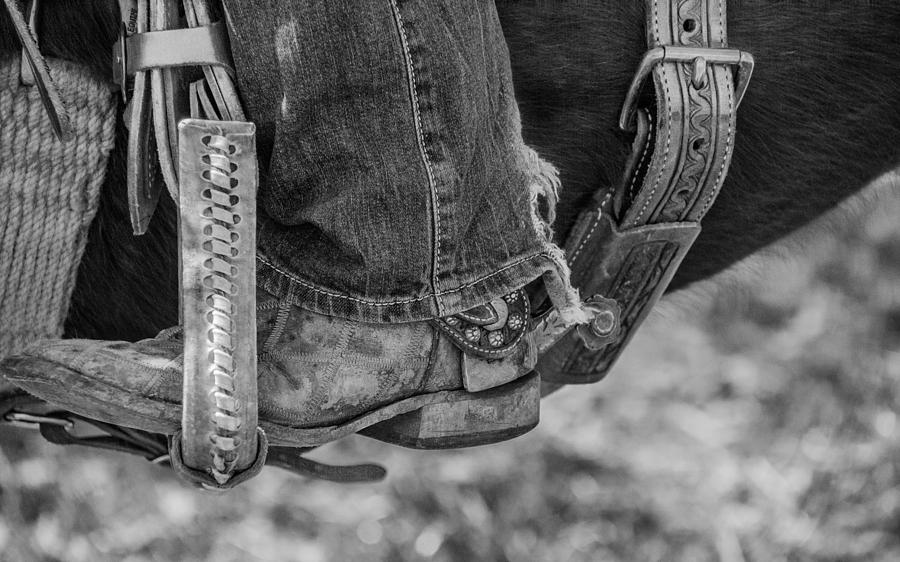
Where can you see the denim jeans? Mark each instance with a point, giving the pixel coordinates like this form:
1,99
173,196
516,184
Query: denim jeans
395,185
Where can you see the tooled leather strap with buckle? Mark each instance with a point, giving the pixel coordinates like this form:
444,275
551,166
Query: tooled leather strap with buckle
625,249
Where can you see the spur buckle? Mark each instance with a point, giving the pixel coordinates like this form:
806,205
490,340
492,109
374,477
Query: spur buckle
700,57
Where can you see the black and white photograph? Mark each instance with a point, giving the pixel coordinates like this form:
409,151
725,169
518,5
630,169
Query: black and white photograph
449,280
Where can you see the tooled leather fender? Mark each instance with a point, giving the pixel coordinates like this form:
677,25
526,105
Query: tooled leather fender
628,246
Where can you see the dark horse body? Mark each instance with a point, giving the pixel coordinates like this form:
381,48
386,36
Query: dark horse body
820,121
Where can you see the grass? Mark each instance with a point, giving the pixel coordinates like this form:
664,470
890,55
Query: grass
758,424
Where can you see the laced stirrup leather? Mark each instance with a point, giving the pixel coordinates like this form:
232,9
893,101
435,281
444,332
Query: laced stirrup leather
217,199
207,157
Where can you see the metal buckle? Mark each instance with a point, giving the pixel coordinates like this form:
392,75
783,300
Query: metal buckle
700,57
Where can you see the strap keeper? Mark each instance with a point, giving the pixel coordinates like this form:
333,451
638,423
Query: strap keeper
730,57
193,46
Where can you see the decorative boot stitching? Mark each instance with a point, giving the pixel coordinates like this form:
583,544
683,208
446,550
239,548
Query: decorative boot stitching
488,333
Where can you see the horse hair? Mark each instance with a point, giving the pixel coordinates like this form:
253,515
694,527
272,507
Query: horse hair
819,122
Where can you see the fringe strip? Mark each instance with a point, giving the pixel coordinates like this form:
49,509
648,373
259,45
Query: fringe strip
544,190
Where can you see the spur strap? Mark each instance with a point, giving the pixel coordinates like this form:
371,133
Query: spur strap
625,249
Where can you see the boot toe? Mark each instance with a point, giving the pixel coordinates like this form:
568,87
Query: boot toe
136,385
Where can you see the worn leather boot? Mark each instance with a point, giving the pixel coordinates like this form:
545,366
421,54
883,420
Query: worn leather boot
319,377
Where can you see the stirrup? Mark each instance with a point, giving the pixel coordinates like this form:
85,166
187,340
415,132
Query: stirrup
207,157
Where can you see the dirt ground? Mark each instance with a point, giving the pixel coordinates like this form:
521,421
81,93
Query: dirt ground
755,422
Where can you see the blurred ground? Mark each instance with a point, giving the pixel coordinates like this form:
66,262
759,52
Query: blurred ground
758,423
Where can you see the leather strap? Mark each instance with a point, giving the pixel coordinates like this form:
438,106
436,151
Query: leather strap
193,46
38,72
26,76
58,427
217,235
167,96
628,246
155,55
200,123
142,165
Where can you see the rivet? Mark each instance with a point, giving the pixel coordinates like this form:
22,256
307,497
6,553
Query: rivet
603,323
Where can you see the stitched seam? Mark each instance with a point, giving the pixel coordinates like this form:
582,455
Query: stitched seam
475,319
665,161
293,278
722,25
593,227
728,139
346,360
423,150
640,163
319,394
281,319
656,21
269,305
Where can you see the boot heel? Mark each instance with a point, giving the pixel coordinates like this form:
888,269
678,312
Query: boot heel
469,419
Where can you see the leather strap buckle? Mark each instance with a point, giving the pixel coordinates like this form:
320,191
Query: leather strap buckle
699,57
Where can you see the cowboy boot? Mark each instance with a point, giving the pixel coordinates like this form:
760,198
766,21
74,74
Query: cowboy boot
320,378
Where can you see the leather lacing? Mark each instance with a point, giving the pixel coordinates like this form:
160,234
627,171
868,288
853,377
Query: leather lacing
221,246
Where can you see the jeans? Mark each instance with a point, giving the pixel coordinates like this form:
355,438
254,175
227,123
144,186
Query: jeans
395,185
